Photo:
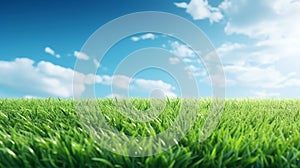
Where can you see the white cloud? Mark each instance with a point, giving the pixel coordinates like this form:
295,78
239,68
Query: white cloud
42,80
50,51
138,84
191,68
261,77
269,60
264,94
187,60
134,38
81,55
225,5
151,85
119,81
181,4
181,50
236,54
148,36
143,37
194,71
31,97
46,79
200,9
174,60
273,25
253,67
96,62
115,96
270,19
227,47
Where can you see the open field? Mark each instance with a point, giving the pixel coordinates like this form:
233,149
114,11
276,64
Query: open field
251,133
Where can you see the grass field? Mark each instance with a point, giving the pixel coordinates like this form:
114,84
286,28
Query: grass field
251,133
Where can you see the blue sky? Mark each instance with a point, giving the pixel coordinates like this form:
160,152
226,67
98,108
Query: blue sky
257,42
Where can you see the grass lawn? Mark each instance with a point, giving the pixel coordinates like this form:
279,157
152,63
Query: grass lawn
251,133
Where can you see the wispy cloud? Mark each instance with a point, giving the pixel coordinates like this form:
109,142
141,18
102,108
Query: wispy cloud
264,94
200,9
81,55
261,77
42,80
119,81
47,79
96,62
114,95
139,84
151,85
31,97
143,37
268,61
174,60
50,51
194,71
194,67
181,50
227,47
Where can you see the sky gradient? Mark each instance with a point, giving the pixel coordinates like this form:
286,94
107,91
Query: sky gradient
257,41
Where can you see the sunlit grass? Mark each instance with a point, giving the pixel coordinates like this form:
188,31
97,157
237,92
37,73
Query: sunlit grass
251,133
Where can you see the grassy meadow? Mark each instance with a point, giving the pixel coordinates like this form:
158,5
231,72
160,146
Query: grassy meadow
251,133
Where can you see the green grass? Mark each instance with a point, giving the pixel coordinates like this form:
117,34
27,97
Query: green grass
251,133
